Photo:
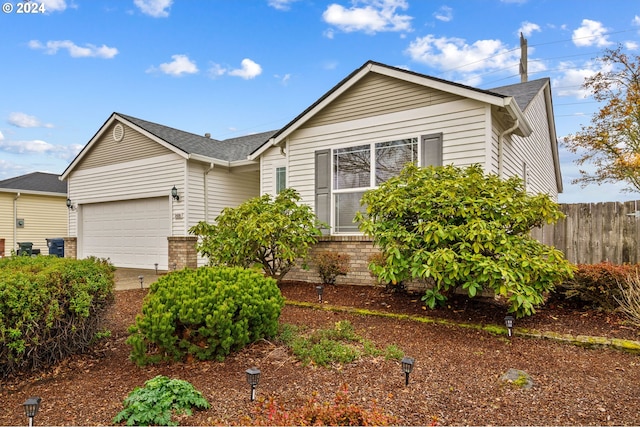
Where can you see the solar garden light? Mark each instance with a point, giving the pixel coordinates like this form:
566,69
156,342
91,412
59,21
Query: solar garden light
407,367
141,278
253,376
31,407
508,321
320,290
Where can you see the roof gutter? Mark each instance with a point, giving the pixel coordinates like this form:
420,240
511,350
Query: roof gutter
501,146
516,114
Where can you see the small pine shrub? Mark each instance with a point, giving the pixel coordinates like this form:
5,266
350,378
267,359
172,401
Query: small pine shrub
331,265
204,313
340,412
158,401
50,308
596,285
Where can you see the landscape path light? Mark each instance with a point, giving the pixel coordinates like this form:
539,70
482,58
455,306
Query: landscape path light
320,290
156,265
253,377
407,367
31,406
141,278
508,321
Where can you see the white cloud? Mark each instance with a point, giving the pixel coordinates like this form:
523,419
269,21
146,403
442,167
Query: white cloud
36,146
216,70
54,5
569,83
1,136
375,16
248,71
284,80
445,14
23,120
456,54
154,8
180,65
591,33
75,51
281,4
527,28
632,45
636,20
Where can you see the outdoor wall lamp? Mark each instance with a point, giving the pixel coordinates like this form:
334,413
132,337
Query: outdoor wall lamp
141,278
253,376
407,367
70,205
320,290
508,321
174,193
31,407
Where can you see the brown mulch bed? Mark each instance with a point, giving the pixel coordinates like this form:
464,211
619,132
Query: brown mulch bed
456,380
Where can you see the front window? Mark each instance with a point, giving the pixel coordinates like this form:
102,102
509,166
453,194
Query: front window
281,179
353,174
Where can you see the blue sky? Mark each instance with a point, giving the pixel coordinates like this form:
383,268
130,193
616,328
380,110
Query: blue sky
232,68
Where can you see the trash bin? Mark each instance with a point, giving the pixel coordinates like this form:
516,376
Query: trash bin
26,248
56,247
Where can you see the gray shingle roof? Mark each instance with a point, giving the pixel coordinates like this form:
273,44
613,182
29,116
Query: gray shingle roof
231,149
522,92
36,181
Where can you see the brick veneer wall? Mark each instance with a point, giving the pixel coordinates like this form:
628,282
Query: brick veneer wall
359,249
71,247
182,252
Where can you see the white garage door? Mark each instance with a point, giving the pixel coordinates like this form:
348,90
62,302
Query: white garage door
132,234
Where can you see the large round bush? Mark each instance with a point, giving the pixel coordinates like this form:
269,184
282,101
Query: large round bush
204,313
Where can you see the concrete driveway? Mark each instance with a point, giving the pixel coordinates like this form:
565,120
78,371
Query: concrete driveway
129,278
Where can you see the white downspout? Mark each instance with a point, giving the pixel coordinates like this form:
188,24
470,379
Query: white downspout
15,220
206,193
500,146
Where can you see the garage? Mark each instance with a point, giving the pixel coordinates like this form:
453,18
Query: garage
131,233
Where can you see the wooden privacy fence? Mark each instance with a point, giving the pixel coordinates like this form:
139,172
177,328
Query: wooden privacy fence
596,232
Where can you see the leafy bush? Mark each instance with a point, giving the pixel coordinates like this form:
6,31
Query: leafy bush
50,308
158,401
270,233
205,313
596,285
341,412
464,229
330,265
328,346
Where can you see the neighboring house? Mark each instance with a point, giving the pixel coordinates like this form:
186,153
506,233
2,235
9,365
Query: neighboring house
32,209
354,137
120,189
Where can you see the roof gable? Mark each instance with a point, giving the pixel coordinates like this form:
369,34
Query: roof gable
39,182
523,92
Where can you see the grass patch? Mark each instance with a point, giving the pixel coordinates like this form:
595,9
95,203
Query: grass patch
325,347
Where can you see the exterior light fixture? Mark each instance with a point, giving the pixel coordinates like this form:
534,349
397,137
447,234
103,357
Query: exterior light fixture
320,290
407,367
508,321
156,264
253,376
174,193
31,407
141,278
70,205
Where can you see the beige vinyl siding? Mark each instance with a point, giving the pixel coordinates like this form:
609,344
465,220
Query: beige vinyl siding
230,188
45,217
375,95
535,150
133,146
462,123
269,160
6,221
153,177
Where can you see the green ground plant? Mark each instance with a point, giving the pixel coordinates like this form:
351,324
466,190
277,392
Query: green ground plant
159,401
204,313
463,229
270,232
340,344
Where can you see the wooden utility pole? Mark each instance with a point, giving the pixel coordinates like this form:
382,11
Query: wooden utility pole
523,59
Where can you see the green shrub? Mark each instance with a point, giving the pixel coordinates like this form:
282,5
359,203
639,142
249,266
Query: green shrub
340,412
158,401
330,265
50,308
596,285
205,313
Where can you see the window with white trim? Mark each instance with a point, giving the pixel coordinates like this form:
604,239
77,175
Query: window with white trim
362,167
280,179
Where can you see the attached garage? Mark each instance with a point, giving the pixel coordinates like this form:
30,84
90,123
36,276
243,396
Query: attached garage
131,233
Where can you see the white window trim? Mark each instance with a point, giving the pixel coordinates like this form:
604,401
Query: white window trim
277,165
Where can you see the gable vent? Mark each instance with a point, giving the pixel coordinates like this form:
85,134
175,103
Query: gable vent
118,132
